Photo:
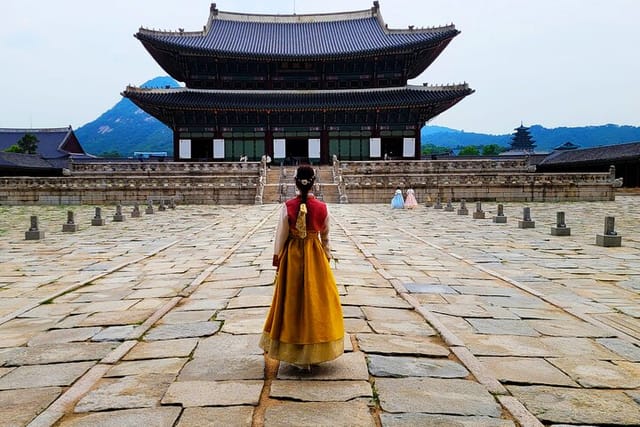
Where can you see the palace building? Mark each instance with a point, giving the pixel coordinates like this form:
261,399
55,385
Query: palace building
296,87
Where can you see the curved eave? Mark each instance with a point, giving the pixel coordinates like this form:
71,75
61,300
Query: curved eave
176,51
276,101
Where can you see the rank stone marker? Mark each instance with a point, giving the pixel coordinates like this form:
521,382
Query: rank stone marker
34,233
561,228
135,213
610,238
438,204
149,209
97,219
449,207
118,217
526,221
463,208
500,218
479,213
70,226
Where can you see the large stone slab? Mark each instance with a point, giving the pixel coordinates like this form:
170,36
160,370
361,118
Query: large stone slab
222,366
335,414
395,344
507,345
503,327
185,330
600,373
114,333
578,406
162,349
429,288
213,393
18,407
58,336
320,391
229,416
436,396
152,366
374,301
229,344
135,391
178,317
157,417
414,420
115,318
56,353
349,366
391,314
526,370
623,348
568,328
584,348
459,310
35,376
421,329
402,366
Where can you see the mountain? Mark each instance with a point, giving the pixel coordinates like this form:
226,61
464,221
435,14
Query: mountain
125,129
545,139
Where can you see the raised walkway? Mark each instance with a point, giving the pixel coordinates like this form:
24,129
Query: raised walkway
451,321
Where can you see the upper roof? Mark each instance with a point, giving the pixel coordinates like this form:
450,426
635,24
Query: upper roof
52,142
298,100
300,36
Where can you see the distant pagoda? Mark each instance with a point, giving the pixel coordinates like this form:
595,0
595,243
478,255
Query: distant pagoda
521,141
296,87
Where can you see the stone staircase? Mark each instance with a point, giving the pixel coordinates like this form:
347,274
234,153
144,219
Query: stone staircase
280,185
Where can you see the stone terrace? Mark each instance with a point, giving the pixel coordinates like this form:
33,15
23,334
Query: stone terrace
450,320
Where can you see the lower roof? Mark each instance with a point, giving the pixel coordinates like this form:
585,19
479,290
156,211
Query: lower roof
298,100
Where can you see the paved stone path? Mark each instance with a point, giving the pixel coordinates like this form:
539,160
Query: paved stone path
451,321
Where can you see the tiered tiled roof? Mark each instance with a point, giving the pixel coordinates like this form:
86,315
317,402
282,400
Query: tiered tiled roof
607,153
297,36
52,142
291,100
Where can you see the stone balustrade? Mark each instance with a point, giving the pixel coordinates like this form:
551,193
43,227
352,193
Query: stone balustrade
356,182
434,166
482,186
103,168
224,189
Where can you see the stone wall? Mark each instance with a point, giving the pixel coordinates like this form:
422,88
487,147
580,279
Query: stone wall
479,180
98,182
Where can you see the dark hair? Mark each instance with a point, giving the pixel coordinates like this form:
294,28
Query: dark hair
305,177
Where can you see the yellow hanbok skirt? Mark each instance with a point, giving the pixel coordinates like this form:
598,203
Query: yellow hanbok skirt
304,325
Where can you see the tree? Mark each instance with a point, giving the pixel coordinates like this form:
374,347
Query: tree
469,150
111,154
28,144
492,150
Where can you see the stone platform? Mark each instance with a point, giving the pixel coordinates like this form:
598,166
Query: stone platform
450,320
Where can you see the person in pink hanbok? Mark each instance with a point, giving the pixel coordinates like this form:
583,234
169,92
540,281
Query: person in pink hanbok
410,201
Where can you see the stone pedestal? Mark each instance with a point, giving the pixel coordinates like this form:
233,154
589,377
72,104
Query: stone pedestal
97,219
135,213
162,206
561,228
500,218
609,238
70,226
438,204
462,210
118,217
608,241
149,209
449,207
479,213
34,233
526,221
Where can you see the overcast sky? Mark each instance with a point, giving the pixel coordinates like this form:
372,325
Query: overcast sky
549,62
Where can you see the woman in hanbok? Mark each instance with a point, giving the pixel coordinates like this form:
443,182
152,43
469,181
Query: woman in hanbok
410,201
304,326
397,202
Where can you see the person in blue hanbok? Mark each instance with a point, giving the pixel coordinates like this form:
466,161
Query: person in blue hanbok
398,201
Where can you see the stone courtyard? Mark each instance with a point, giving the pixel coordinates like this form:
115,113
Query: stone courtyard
450,320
